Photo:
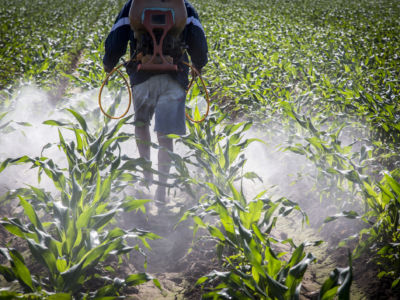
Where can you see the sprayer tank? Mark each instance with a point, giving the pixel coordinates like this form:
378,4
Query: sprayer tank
176,7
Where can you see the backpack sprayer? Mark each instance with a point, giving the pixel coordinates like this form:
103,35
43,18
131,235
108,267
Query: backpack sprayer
157,26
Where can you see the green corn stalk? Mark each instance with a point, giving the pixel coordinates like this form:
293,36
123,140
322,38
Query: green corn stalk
244,244
254,270
242,229
382,231
338,284
79,238
216,152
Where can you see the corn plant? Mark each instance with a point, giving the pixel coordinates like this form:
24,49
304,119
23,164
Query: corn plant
382,232
6,127
254,267
346,174
216,154
240,227
338,283
71,235
242,230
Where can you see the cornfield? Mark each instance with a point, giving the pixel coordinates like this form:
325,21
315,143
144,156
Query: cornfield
297,164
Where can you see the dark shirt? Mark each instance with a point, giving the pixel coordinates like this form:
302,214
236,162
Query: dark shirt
121,34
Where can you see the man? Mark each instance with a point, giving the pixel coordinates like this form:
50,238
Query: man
154,93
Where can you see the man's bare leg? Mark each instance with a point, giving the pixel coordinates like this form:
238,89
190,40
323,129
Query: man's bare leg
164,164
143,143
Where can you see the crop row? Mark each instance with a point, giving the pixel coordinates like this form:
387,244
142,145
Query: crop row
72,237
322,78
41,40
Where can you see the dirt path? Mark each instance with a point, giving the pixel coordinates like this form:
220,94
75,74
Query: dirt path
175,260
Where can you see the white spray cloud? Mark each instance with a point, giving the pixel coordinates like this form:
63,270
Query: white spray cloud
32,106
276,167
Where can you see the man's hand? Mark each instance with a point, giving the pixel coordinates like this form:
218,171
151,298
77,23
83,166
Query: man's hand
107,69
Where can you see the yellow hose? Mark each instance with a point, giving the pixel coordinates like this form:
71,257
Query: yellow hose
205,89
116,69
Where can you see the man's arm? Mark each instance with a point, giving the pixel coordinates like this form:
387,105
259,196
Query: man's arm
117,40
196,39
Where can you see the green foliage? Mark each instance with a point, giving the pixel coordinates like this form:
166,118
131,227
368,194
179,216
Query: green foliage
6,126
255,270
338,283
217,153
41,40
383,236
314,49
320,77
78,238
253,267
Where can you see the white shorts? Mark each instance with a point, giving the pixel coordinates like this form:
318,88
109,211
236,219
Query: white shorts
165,97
